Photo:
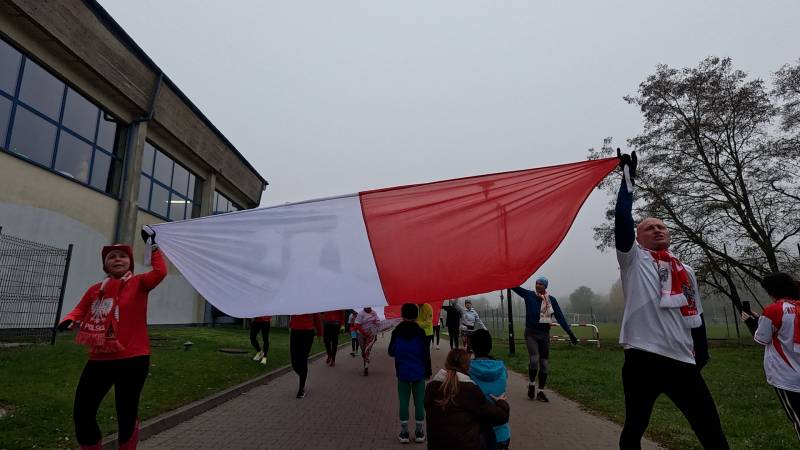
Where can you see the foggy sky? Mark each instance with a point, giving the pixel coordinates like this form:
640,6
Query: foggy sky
335,97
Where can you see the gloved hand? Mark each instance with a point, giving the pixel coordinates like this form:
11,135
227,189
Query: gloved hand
65,325
628,160
148,233
572,338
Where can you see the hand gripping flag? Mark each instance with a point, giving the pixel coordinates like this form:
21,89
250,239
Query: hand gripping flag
416,243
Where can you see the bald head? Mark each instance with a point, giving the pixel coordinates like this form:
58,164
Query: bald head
653,234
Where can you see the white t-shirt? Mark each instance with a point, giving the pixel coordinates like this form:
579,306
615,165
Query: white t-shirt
646,325
776,332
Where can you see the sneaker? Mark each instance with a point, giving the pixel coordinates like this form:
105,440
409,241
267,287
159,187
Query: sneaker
437,347
353,354
366,371
541,397
258,356
301,394
403,437
531,391
264,361
419,436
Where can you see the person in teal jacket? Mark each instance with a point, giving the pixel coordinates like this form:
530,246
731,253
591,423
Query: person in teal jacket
490,375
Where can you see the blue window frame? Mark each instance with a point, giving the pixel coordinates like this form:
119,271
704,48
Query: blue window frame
223,204
51,125
166,188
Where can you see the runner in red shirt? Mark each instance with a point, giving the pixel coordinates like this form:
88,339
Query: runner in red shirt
260,324
332,322
302,328
112,322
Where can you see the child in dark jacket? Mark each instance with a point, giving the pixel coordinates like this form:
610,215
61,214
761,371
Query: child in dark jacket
412,362
456,409
490,375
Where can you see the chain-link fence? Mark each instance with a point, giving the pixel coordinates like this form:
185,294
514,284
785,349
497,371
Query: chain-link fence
32,281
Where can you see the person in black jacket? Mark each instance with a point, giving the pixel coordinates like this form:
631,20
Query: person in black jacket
453,324
457,410
412,361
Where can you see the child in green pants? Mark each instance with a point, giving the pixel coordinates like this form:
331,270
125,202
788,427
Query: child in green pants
412,362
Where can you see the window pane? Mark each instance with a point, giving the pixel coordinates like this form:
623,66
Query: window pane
80,115
177,208
144,192
192,179
5,115
101,170
147,159
106,133
41,90
159,200
163,168
180,179
9,67
73,157
32,137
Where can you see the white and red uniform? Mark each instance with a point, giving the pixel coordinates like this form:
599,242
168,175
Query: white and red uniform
776,331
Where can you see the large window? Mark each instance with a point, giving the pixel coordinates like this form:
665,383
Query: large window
223,204
167,189
50,124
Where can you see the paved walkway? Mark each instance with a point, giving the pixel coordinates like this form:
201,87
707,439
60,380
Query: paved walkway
345,410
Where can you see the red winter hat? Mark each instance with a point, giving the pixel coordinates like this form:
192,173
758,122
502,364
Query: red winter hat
121,247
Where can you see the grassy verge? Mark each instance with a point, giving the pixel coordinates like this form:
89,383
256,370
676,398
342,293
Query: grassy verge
751,414
38,382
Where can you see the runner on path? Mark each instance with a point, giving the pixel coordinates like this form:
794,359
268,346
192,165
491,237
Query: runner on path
302,329
260,324
540,309
367,322
112,321
332,324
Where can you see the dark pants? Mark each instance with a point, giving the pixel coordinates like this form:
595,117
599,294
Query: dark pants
436,331
263,327
354,343
454,333
538,344
330,336
645,376
791,405
300,342
127,376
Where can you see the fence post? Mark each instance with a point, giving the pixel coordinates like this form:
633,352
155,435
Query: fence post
61,294
511,345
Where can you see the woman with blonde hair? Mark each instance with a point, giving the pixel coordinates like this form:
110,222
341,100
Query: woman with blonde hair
457,412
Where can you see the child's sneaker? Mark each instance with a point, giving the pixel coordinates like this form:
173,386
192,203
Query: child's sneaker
541,397
403,437
419,436
258,356
264,360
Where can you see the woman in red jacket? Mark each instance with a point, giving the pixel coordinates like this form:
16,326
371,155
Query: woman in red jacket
302,328
112,318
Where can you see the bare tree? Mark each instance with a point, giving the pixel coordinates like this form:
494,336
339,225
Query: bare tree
716,168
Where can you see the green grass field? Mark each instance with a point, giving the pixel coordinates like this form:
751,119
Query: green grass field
38,382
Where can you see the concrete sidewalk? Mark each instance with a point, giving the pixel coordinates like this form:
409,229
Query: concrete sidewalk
345,410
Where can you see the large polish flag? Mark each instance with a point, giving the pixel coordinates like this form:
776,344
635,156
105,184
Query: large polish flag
417,243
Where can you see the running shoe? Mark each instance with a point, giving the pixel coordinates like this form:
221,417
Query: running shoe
419,436
403,437
264,361
366,371
541,397
531,391
301,394
258,356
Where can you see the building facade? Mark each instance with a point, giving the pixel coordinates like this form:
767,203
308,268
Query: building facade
96,141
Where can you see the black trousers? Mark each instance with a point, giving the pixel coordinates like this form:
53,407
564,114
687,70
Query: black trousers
791,406
538,344
127,376
300,342
645,376
436,331
454,333
255,328
330,337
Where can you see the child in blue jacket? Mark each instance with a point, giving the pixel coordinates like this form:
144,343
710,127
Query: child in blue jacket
490,375
412,362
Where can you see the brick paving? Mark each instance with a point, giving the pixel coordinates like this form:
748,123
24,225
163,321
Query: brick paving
345,410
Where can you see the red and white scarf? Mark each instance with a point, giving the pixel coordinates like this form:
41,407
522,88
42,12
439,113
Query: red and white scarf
546,309
676,288
99,327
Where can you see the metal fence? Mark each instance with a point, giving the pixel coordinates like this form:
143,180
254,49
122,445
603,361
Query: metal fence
32,281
